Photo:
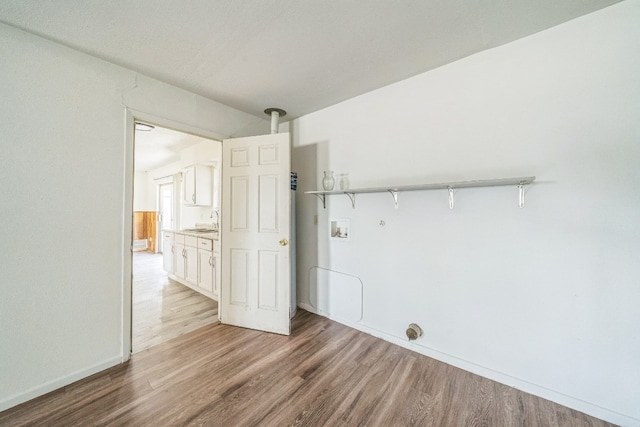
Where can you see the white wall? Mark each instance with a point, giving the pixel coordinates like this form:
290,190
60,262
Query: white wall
544,298
63,219
142,199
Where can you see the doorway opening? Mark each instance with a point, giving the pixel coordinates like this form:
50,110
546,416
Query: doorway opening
161,307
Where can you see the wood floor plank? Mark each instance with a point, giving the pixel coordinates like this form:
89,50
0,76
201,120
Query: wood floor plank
323,374
163,308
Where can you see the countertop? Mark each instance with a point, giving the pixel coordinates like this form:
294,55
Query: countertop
212,235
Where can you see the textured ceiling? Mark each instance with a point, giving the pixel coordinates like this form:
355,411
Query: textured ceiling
301,56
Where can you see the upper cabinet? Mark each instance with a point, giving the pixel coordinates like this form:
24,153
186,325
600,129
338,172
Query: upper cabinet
198,185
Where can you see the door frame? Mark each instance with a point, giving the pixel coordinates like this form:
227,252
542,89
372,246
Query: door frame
159,240
131,115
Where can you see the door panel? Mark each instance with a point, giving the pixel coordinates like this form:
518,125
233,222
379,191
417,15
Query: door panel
268,204
239,157
239,203
255,288
239,277
268,154
268,278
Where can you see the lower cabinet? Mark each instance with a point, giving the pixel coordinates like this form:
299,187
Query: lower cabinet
193,261
207,267
178,255
168,254
179,269
206,271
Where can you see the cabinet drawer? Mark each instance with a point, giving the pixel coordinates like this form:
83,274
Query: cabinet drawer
191,241
205,244
167,236
178,238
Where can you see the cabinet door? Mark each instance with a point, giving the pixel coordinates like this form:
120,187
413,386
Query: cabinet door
168,257
204,185
168,254
216,270
189,180
214,274
197,185
191,264
206,277
179,260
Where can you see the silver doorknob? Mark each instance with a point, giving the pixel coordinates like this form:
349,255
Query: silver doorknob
284,242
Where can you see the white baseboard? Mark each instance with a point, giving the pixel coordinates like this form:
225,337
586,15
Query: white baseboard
43,389
517,383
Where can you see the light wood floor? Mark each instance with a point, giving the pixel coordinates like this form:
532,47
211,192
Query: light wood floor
162,308
324,374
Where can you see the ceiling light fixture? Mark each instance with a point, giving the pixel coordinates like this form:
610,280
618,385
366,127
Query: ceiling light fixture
143,127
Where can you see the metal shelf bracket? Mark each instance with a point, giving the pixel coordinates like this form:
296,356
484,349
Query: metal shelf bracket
450,197
352,196
394,194
322,199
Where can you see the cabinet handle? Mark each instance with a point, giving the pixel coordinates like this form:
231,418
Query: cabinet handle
214,262
211,261
173,249
193,197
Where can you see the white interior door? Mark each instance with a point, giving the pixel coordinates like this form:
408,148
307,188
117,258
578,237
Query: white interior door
256,278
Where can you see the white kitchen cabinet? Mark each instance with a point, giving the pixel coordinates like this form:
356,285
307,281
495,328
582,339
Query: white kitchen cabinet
197,185
179,266
193,261
168,255
207,267
218,275
206,270
191,264
178,249
186,266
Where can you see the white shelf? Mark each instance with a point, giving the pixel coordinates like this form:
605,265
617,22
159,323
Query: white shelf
520,182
